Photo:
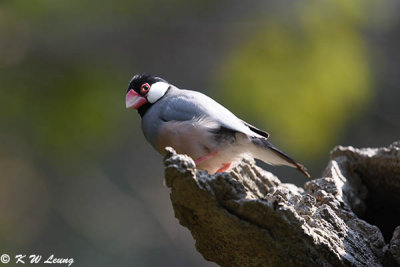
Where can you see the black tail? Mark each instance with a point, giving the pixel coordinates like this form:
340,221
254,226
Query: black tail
268,153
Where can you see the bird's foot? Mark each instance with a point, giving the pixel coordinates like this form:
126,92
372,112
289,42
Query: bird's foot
206,157
224,167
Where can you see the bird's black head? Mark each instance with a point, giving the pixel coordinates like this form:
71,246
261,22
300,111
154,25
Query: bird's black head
144,90
139,79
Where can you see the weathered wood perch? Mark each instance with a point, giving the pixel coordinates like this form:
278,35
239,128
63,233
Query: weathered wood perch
249,218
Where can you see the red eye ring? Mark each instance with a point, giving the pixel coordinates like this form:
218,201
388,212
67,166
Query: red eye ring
144,88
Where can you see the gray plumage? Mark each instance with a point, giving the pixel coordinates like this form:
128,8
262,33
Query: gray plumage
194,124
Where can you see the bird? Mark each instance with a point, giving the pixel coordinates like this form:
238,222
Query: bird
198,126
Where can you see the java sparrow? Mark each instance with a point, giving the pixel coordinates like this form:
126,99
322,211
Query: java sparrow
196,125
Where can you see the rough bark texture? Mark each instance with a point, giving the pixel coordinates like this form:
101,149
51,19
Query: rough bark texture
249,218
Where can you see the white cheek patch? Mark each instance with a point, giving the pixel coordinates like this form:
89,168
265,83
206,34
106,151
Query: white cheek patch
157,90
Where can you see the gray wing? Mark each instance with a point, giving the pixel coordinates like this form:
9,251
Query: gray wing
184,105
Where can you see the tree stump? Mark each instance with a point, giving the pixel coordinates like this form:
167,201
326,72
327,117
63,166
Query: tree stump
349,217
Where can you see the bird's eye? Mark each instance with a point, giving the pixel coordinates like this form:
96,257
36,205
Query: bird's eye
144,88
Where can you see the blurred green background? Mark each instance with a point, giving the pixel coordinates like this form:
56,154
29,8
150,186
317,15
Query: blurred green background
77,177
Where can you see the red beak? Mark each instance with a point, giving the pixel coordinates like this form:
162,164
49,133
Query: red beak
134,100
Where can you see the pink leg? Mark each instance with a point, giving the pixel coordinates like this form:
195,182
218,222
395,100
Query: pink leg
206,157
224,167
